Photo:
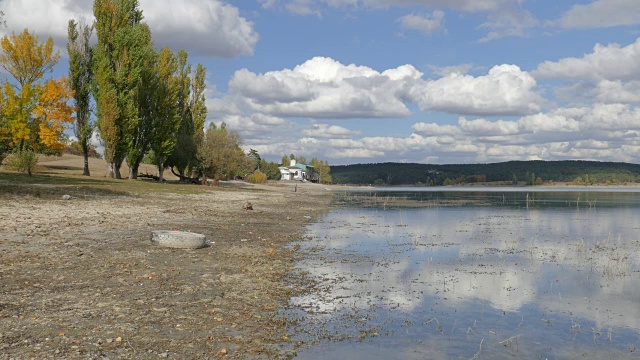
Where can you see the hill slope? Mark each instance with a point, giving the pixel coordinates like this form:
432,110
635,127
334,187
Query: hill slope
524,171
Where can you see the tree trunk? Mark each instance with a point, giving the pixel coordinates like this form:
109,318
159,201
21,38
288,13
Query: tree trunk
117,166
116,171
133,171
111,172
86,172
161,169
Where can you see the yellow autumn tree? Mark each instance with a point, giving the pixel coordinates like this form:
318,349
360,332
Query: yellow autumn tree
35,111
54,113
26,58
17,110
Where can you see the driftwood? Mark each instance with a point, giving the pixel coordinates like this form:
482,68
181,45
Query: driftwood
186,179
149,176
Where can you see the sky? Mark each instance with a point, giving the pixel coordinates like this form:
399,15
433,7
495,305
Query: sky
426,81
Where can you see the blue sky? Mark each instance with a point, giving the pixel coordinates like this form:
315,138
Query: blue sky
431,81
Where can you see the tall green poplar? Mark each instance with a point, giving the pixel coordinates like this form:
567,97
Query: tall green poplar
191,111
114,86
167,119
140,102
197,104
80,76
185,150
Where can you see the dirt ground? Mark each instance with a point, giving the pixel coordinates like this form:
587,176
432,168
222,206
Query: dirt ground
79,278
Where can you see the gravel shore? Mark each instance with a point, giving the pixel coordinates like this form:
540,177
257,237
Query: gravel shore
79,278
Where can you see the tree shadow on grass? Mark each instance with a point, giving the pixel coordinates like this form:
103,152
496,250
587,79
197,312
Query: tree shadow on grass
45,186
56,192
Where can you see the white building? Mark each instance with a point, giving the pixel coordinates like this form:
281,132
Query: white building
296,171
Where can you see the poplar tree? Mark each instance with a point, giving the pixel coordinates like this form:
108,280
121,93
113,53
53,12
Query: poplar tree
193,113
323,169
185,150
197,104
116,77
285,160
80,77
142,106
167,119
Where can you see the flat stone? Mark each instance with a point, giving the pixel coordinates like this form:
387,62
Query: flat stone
178,239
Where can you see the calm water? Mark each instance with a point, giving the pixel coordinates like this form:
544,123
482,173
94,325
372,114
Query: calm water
544,275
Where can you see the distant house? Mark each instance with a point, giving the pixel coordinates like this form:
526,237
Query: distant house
300,172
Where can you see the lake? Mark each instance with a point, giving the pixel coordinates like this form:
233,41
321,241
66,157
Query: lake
473,274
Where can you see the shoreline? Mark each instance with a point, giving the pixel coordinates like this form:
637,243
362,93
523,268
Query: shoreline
81,279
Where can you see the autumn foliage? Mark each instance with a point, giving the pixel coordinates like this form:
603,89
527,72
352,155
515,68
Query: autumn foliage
258,177
35,111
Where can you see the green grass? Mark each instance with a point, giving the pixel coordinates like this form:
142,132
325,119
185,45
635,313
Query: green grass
56,185
56,179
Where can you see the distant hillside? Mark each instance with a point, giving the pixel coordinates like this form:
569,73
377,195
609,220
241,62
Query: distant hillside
525,172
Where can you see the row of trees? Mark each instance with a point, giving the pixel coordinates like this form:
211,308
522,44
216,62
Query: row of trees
145,100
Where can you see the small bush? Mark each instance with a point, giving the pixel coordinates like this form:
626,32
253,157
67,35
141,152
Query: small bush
258,177
24,161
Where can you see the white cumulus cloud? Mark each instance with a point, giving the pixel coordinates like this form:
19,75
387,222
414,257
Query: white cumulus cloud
618,92
45,18
610,62
606,132
602,13
505,90
461,69
433,129
202,27
482,127
329,131
427,25
255,125
324,88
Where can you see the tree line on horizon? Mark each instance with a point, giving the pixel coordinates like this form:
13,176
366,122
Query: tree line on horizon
507,173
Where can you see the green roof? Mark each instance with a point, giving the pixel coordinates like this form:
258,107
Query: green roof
303,166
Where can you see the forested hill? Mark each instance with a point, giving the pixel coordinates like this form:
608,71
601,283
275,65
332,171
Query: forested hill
522,172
